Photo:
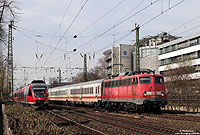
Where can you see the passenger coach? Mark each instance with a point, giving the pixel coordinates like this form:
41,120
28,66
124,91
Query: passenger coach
85,93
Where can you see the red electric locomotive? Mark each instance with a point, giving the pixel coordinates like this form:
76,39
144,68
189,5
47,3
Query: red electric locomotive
139,91
33,94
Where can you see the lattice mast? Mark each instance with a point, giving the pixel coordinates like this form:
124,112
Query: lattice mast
137,49
10,59
85,68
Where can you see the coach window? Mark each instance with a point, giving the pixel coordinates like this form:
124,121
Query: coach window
129,81
112,83
136,80
117,83
96,90
120,82
124,82
109,84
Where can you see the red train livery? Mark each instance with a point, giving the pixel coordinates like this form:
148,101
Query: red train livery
143,91
132,91
35,94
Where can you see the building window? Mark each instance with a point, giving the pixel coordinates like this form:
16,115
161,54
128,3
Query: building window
183,45
173,47
162,62
193,42
198,54
161,50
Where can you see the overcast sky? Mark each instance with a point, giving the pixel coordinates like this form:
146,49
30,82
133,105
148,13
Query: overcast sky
99,24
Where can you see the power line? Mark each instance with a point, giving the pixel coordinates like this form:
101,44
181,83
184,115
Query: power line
61,21
32,32
145,24
189,30
118,23
117,41
84,36
67,30
102,17
162,13
184,24
37,41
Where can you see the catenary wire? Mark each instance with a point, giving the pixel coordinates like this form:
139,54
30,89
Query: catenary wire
189,30
38,41
61,21
117,24
66,30
184,24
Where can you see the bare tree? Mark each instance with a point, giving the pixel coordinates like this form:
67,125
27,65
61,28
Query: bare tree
182,85
53,82
98,72
8,10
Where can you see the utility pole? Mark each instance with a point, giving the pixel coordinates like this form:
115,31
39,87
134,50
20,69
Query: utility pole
10,60
59,77
137,49
85,68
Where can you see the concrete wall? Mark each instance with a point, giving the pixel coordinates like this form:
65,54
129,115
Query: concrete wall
115,60
149,63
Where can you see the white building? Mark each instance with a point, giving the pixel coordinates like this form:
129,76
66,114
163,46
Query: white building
186,48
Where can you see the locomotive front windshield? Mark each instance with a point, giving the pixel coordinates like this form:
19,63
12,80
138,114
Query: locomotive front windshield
39,91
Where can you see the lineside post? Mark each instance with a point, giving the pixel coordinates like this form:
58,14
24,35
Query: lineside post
137,49
85,68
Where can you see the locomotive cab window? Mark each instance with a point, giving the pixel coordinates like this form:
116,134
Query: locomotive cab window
159,80
145,80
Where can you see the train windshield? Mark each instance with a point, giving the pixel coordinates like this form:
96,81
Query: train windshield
159,80
145,80
39,91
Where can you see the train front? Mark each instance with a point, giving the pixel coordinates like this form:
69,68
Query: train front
39,93
152,91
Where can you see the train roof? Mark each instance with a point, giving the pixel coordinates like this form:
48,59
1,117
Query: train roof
77,84
38,81
130,74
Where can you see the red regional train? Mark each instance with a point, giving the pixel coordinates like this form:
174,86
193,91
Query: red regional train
132,91
35,94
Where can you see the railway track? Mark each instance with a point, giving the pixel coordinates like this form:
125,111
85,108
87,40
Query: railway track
174,117
81,126
133,124
138,122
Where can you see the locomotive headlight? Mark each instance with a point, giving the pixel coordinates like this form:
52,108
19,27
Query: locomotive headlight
162,93
145,93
